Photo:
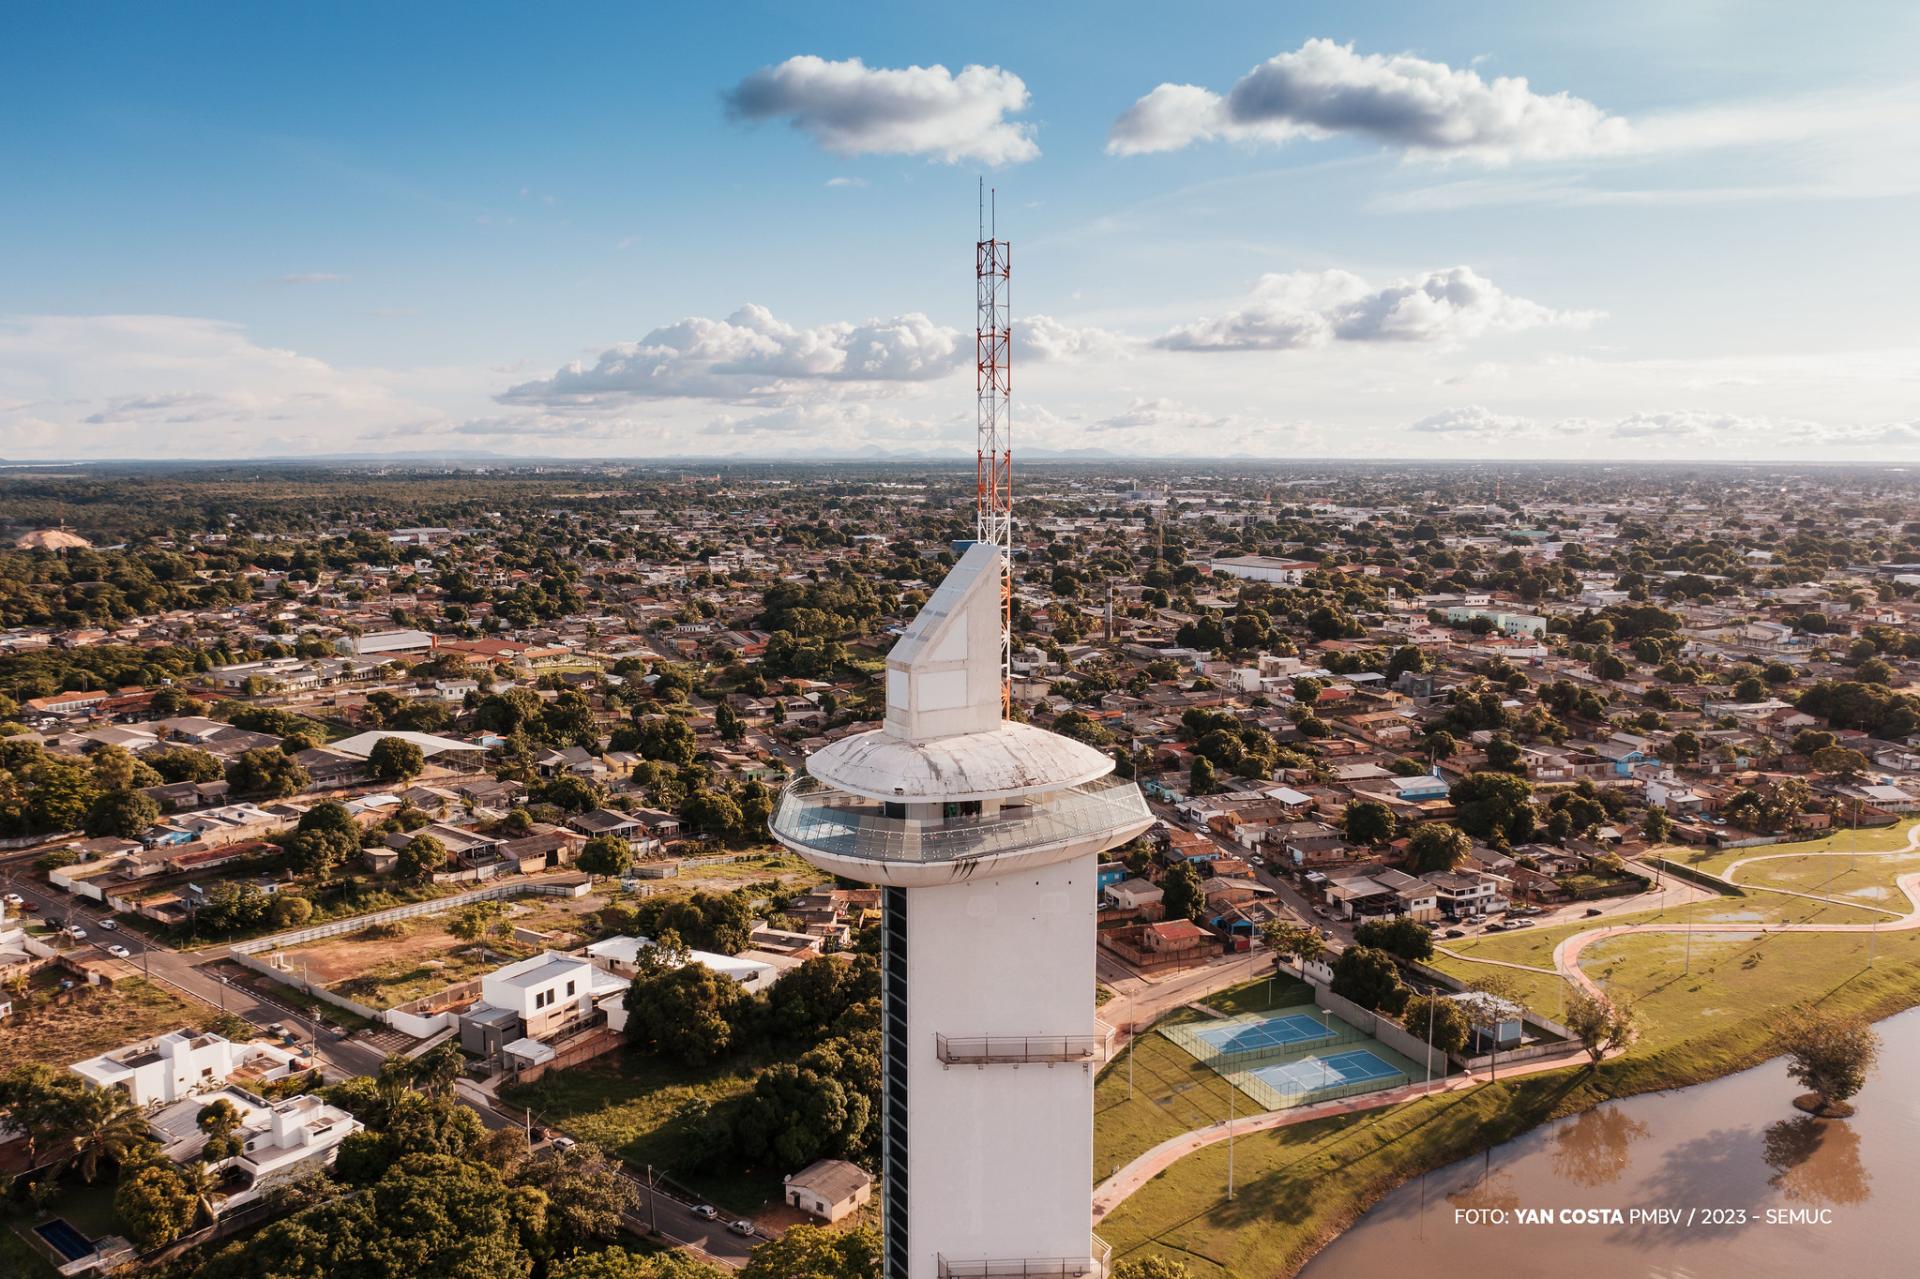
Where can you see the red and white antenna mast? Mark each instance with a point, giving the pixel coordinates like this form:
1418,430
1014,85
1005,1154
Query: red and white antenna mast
993,387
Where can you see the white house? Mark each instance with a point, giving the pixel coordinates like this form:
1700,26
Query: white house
179,1063
620,955
1134,894
829,1189
277,1139
527,1005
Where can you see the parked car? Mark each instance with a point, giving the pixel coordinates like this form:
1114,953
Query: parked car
1454,932
564,1143
1593,912
741,1227
706,1212
119,952
76,932
109,925
1521,923
1498,926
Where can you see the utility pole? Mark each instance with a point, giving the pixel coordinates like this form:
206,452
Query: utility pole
653,1204
1232,1097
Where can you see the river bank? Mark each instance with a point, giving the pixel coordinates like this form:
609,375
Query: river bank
1708,1016
1722,1178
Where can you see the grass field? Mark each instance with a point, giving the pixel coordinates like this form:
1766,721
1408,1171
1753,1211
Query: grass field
1867,839
93,1019
1866,880
387,965
647,1111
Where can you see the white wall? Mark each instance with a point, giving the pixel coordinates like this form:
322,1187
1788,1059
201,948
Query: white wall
1000,1158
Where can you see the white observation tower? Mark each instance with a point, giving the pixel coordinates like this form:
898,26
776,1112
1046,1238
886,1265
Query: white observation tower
984,835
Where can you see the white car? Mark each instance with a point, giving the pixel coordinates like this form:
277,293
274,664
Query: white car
120,952
14,899
76,932
109,925
706,1212
564,1143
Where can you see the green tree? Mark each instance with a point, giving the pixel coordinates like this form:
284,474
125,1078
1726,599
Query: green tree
420,857
1368,821
321,851
1437,1020
1181,894
1829,1054
1493,805
395,759
605,855
184,764
618,1263
821,1106
1369,978
667,738
267,771
1200,779
155,1205
587,1197
1402,937
813,1252
690,1014
1152,1268
1290,941
1600,1025
1436,846
124,813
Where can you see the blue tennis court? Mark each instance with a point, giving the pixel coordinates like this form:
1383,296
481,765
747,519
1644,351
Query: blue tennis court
1290,1031
1336,1070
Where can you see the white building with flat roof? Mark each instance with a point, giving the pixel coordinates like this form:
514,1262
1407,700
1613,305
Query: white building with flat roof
985,836
177,1064
621,955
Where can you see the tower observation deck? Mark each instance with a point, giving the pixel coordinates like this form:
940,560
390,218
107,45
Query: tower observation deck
984,835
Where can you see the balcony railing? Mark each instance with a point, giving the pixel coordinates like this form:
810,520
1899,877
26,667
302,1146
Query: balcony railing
817,816
1014,1050
1097,1264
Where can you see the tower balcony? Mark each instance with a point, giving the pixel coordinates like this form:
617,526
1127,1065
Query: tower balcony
1097,1264
1016,1050
868,839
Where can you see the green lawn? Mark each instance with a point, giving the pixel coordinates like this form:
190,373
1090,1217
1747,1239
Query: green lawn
1867,880
648,1111
1867,839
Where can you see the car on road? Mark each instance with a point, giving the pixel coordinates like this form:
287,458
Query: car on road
1521,923
1593,912
76,932
119,952
564,1143
109,925
1498,926
742,1227
1326,934
706,1212
1454,932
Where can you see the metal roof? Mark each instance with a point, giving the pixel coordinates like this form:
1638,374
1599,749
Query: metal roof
1007,761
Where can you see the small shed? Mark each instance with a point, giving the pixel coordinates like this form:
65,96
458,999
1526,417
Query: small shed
829,1189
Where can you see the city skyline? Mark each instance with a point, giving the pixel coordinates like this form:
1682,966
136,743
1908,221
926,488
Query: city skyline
1634,236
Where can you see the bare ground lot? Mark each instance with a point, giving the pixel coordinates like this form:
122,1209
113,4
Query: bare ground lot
92,1019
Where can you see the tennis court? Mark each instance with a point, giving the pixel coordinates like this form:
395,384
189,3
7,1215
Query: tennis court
1313,1074
1292,1030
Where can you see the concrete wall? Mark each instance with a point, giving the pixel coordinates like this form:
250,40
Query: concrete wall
1000,1157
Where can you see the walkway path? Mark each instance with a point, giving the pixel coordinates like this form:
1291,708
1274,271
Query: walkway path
1110,1193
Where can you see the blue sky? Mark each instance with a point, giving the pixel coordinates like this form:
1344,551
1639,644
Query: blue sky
237,231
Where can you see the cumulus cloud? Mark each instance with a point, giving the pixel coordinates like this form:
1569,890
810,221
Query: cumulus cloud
1160,417
748,355
1322,89
1474,419
182,386
1313,308
1681,424
851,109
1045,340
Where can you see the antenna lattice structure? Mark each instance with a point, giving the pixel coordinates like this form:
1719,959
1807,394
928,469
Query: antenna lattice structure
993,387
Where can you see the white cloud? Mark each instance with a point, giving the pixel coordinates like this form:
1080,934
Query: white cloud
180,386
1475,420
851,109
1688,424
1161,417
1420,106
1045,340
846,182
748,355
1313,308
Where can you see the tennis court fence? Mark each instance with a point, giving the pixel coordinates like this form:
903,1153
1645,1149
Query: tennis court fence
1251,1040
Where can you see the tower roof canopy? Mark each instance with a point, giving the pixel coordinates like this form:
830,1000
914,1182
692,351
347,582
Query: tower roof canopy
1004,762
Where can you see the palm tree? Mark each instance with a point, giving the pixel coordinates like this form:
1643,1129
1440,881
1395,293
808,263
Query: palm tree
203,1183
107,1124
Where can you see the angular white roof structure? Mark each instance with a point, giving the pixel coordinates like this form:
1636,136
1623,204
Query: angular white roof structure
944,737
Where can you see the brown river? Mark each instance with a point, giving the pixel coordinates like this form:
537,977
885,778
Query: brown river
1724,1180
